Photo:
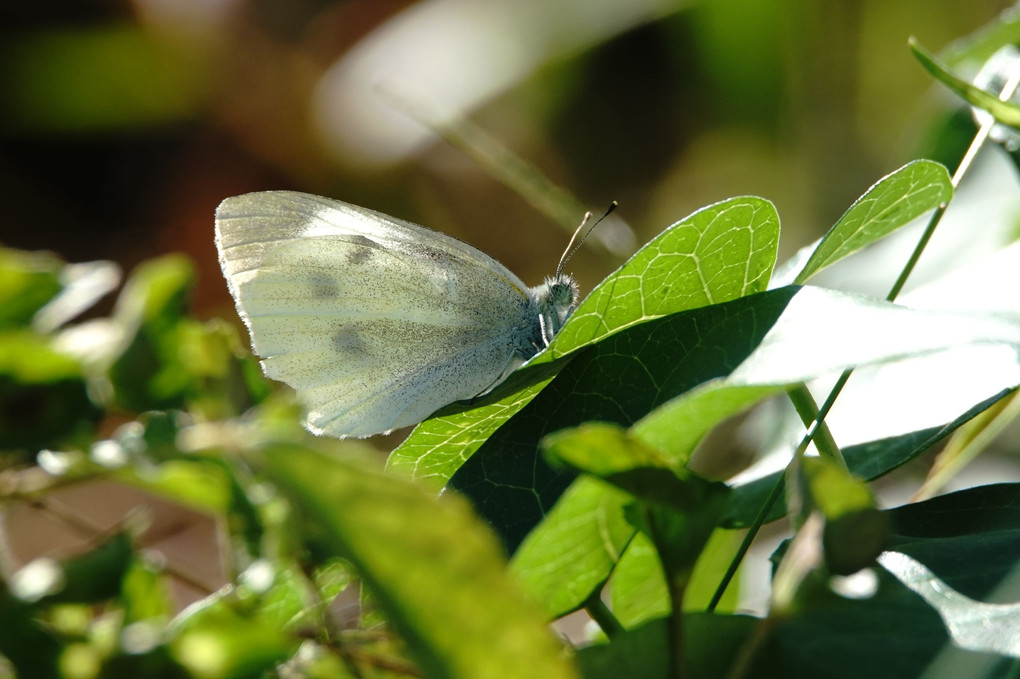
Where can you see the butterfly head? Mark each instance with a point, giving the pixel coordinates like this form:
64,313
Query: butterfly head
556,299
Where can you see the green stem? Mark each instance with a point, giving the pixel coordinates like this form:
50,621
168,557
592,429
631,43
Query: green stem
602,616
808,411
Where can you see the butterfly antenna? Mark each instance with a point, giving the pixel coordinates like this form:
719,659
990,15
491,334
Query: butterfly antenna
571,247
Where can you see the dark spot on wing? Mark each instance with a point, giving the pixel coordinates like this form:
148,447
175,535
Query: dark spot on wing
349,342
323,287
361,251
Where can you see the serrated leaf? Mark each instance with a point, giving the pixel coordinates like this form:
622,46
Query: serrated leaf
719,253
437,572
893,201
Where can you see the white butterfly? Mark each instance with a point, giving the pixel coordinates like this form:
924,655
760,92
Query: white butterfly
374,321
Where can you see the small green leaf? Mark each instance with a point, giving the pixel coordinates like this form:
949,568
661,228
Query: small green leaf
44,399
436,571
213,641
28,280
855,530
638,586
96,575
149,372
144,594
573,551
893,201
1003,111
198,484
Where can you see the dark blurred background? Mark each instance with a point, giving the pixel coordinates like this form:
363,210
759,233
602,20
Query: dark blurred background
124,122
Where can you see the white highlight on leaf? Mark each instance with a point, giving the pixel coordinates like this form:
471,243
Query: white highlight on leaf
973,625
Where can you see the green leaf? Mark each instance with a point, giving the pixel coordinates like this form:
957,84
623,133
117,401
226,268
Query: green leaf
44,397
985,41
638,585
618,380
28,280
436,571
973,625
711,643
982,523
441,444
573,551
855,530
26,642
149,371
719,253
820,332
891,635
868,461
144,594
95,576
674,508
197,484
609,452
780,337
893,201
1002,111
212,641
44,400
962,542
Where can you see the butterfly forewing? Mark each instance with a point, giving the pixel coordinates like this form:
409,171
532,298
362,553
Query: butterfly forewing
374,321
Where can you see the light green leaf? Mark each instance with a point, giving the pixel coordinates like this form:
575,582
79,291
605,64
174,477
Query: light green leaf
437,572
574,550
719,253
892,202
638,586
1002,111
